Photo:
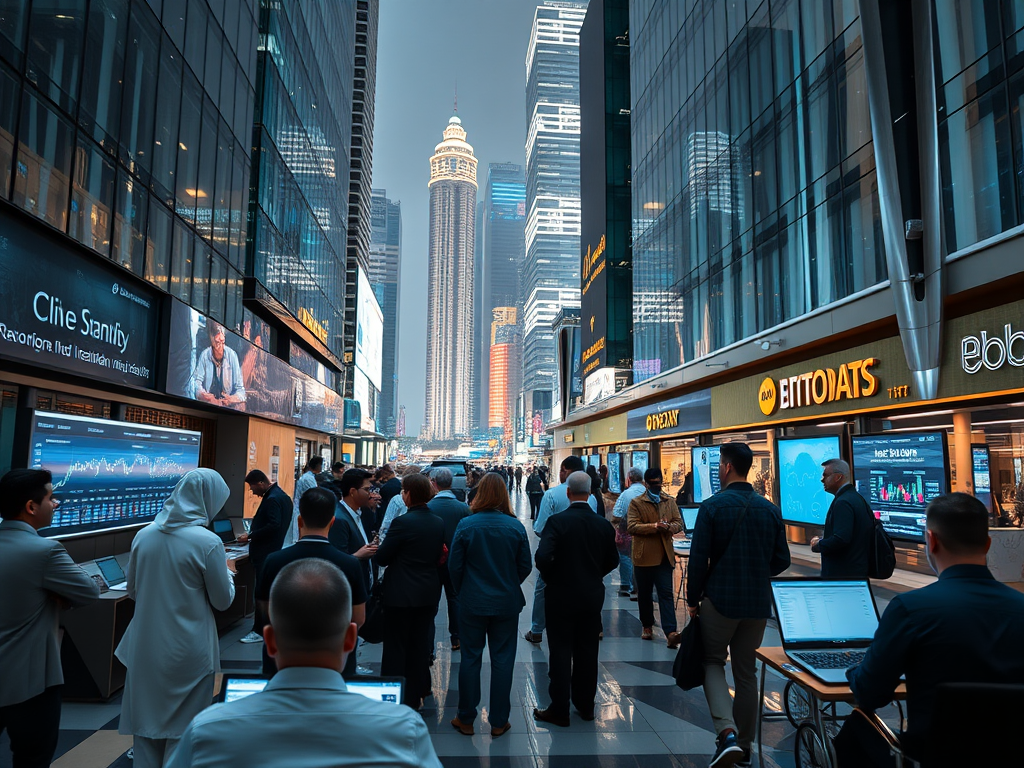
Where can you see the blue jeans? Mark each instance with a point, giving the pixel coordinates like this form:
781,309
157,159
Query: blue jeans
626,571
649,577
500,634
538,607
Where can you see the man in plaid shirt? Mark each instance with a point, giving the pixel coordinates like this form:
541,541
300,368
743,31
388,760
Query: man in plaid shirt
740,538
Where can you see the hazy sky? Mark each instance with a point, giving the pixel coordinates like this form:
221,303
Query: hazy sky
423,47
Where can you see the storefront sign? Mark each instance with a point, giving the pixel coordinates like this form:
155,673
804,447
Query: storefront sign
690,413
850,381
992,351
68,311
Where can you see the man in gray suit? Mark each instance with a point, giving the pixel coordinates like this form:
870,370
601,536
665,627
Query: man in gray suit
39,579
451,510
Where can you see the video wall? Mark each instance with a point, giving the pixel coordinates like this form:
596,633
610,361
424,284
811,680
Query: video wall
705,460
802,497
108,474
899,473
614,473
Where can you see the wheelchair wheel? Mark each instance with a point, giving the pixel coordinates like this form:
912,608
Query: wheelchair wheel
810,749
797,703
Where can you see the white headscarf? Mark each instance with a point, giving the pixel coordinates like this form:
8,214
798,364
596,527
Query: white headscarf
195,500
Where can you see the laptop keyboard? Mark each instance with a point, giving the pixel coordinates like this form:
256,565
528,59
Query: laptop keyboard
829,659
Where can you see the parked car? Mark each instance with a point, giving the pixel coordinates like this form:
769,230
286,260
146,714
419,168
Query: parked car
458,468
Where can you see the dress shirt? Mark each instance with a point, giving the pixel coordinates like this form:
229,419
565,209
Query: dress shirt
555,500
358,521
303,484
305,718
622,504
230,374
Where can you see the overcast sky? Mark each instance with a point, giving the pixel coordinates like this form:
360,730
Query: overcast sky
423,47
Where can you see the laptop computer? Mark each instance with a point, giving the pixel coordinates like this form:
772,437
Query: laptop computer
826,626
386,689
223,528
112,573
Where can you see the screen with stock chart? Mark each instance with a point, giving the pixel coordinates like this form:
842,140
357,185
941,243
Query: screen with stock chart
108,474
899,473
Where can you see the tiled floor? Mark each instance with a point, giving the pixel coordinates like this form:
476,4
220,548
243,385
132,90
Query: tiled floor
643,719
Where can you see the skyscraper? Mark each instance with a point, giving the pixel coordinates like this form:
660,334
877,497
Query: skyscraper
552,188
453,189
501,235
385,270
505,374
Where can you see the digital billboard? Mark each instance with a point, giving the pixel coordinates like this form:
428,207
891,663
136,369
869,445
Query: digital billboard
802,497
108,474
981,471
369,332
899,473
614,473
361,394
208,363
704,460
640,460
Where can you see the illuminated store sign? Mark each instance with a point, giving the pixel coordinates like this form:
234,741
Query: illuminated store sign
689,413
992,352
851,381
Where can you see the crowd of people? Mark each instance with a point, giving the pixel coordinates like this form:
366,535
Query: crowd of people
370,553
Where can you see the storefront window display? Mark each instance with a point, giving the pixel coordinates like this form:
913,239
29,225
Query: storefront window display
762,474
676,466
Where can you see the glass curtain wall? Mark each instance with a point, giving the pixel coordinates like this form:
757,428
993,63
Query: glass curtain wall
754,191
125,124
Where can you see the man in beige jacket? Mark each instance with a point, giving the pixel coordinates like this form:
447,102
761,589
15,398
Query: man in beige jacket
652,520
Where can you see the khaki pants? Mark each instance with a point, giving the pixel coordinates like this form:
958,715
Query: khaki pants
736,639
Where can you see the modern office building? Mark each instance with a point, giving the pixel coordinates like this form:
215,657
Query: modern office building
552,189
606,255
826,246
385,271
501,243
450,288
505,375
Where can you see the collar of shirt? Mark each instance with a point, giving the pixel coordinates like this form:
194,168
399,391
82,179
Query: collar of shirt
307,677
445,495
316,538
967,571
357,519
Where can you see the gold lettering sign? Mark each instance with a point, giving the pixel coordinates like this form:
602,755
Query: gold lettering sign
307,319
591,268
664,420
593,349
851,381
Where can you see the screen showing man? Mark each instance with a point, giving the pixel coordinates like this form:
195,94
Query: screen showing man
218,376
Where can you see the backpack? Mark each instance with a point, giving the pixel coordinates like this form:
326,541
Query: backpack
883,552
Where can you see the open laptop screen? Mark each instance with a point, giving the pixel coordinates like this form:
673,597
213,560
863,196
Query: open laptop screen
386,689
111,570
223,529
689,518
825,611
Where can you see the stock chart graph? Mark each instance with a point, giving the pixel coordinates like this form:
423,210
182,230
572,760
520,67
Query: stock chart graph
109,473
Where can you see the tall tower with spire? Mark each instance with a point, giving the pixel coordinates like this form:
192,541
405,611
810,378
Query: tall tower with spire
453,190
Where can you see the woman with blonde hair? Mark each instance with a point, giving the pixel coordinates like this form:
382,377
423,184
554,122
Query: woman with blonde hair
489,559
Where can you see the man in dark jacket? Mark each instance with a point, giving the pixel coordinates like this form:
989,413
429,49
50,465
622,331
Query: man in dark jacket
743,535
577,550
519,479
964,628
846,547
390,486
452,511
266,535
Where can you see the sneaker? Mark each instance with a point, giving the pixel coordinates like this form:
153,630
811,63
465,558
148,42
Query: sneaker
252,637
633,597
673,639
361,670
534,637
647,634
623,593
745,761
728,753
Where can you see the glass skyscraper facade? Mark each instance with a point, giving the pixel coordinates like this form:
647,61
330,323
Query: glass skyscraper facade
126,125
552,274
385,269
302,139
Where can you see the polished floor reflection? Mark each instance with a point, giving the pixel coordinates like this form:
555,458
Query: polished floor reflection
642,719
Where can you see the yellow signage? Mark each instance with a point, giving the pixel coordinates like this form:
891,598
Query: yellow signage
851,381
314,325
591,267
664,420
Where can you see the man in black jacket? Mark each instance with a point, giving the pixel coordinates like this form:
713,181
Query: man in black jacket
266,535
743,535
348,532
577,549
846,547
964,628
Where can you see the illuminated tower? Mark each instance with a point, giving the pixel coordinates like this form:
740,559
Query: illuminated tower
453,189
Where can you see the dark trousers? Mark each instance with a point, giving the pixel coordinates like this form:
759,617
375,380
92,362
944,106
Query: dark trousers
535,499
649,577
573,644
519,483
453,602
33,727
858,745
500,634
408,636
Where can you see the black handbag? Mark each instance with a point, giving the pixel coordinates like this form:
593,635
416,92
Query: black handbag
688,668
372,630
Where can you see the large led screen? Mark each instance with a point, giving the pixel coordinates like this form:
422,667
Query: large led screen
899,473
801,495
706,483
614,473
108,474
369,331
640,460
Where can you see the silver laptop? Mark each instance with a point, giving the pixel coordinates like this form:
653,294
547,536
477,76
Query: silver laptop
112,573
384,689
826,626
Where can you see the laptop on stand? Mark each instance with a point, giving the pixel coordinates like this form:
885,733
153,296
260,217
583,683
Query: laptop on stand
826,626
113,574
